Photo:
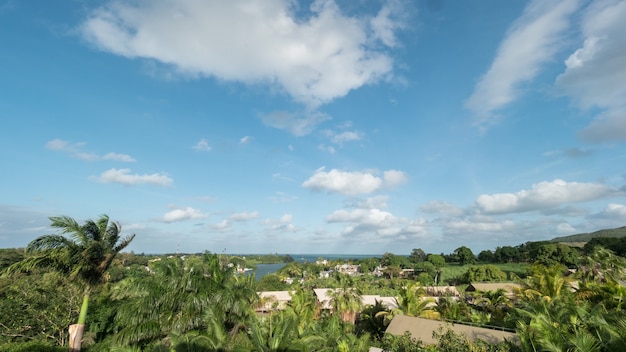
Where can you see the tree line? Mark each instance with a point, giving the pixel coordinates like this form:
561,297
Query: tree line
122,302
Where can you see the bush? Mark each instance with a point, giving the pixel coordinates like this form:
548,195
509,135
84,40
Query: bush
31,346
484,273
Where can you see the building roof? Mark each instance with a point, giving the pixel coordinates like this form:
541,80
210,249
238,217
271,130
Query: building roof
509,287
440,290
422,329
388,302
281,298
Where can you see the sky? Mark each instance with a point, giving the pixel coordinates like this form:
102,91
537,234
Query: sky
347,126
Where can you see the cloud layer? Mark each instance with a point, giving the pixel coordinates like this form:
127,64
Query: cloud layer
314,59
530,42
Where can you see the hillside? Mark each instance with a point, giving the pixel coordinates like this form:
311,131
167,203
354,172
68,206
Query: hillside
585,237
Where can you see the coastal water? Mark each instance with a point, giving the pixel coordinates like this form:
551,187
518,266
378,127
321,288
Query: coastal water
264,269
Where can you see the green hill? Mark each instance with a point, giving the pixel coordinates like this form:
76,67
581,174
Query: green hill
585,237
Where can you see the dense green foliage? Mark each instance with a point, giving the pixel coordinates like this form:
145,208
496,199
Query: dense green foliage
201,303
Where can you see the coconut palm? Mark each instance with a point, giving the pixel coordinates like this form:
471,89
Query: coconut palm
346,300
84,256
197,295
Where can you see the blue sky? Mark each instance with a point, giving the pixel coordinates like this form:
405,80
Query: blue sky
283,126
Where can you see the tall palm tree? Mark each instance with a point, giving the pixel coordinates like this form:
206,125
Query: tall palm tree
346,300
85,256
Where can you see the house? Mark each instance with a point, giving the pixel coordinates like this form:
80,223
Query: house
325,274
510,288
272,300
441,291
388,302
348,269
324,298
422,329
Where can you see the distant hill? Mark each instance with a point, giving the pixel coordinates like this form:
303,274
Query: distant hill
585,237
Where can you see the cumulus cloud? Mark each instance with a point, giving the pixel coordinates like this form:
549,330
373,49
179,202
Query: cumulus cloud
123,176
565,229
544,195
314,58
531,41
182,214
595,72
612,216
352,183
202,145
283,224
76,151
377,224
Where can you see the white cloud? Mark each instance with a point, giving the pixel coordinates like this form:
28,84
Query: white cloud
76,151
352,183
379,202
612,216
375,225
244,216
246,139
565,229
362,216
386,23
282,197
119,157
202,145
347,136
595,74
607,126
181,214
298,124
327,148
544,195
476,225
613,211
123,176
314,59
531,41
59,144
442,208
283,224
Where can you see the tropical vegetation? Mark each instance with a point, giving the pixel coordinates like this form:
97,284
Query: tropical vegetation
568,299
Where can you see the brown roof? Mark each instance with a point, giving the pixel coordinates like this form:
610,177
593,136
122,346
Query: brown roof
509,287
422,329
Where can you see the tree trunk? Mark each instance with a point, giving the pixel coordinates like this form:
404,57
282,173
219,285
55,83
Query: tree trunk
77,330
76,336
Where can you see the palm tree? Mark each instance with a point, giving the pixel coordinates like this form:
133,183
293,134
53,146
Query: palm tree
197,295
346,300
84,256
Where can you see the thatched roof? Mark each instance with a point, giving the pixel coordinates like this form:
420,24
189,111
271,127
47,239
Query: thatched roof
422,329
509,287
280,298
